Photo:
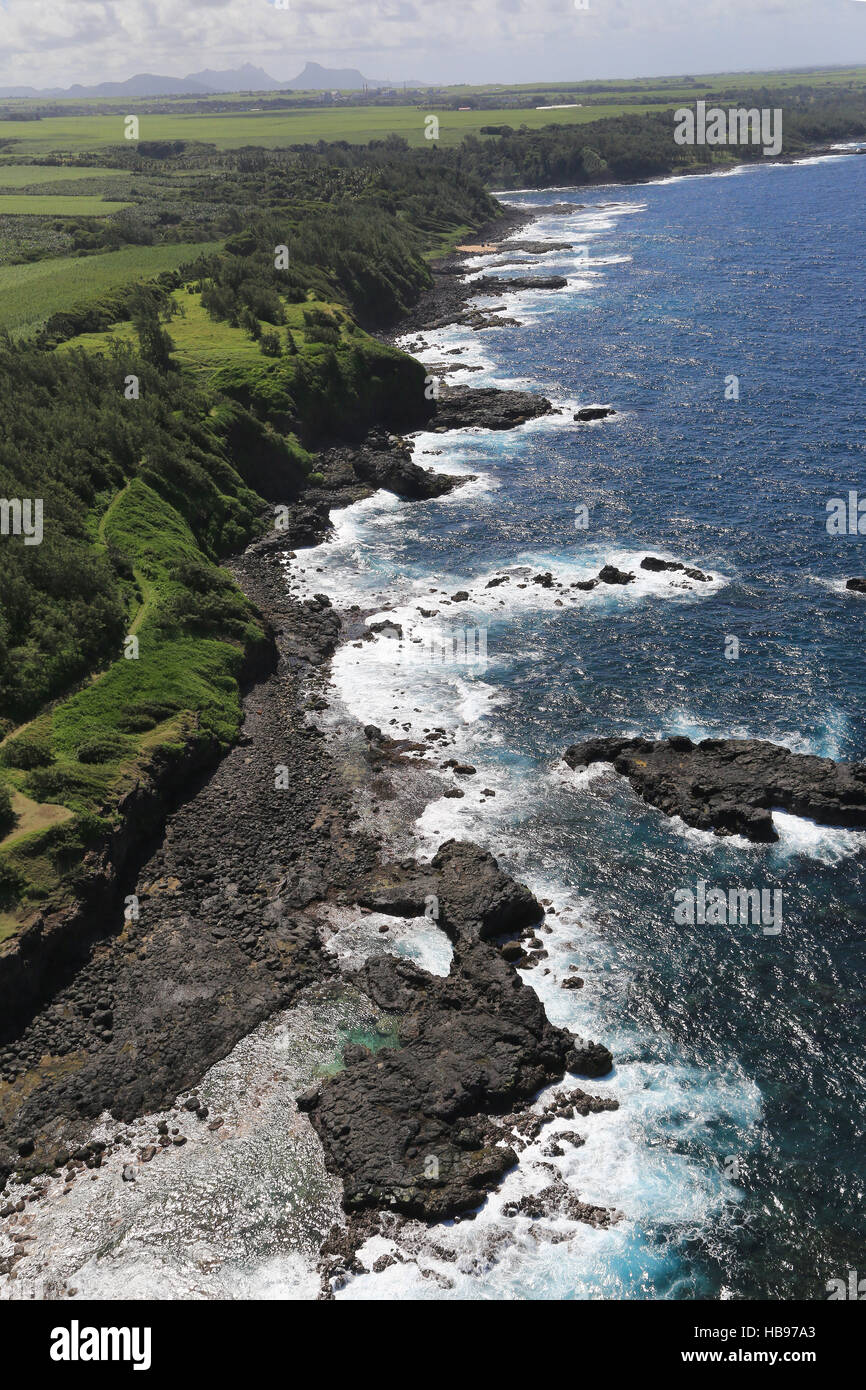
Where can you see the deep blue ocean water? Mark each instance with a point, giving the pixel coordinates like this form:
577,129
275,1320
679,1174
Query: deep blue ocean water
738,1154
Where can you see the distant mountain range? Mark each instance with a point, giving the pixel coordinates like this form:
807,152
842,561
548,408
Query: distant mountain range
314,78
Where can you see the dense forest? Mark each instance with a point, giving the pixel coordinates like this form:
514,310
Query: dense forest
73,439
629,147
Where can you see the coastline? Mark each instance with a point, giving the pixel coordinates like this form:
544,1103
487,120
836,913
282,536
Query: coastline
306,640
696,171
230,931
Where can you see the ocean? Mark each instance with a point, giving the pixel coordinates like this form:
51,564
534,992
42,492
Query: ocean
722,317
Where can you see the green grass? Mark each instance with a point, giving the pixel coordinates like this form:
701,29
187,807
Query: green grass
204,346
29,294
674,87
23,175
56,205
191,673
181,688
273,129
34,815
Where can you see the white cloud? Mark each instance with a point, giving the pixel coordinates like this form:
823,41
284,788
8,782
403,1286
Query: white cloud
63,41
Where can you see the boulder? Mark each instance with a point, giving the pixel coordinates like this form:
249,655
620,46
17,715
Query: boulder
611,575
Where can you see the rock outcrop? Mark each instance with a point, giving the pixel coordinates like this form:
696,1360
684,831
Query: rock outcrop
461,407
732,786
657,566
412,1128
500,284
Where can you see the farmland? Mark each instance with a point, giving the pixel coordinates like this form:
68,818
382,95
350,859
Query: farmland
23,175
29,294
273,129
55,205
273,120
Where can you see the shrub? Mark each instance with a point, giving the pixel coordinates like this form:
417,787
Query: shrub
323,333
132,723
100,750
11,885
26,754
7,815
250,324
49,783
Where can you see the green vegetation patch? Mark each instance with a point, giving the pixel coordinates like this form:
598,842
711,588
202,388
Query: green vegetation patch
177,688
323,375
30,294
55,205
30,175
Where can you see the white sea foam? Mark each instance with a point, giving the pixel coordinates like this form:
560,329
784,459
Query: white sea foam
838,586
352,936
826,844
235,1213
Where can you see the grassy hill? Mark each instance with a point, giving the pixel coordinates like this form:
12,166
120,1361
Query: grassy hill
30,294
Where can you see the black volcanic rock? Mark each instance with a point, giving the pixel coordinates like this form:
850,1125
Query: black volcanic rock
461,407
594,412
410,1128
537,248
652,562
387,463
477,898
498,283
656,565
857,586
732,785
609,574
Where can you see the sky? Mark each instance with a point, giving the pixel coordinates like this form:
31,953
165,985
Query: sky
48,43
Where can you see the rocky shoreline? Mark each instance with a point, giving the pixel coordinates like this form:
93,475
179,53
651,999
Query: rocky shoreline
227,927
447,303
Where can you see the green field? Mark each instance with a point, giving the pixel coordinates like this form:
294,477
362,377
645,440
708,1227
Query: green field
55,205
23,175
229,128
272,129
29,294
